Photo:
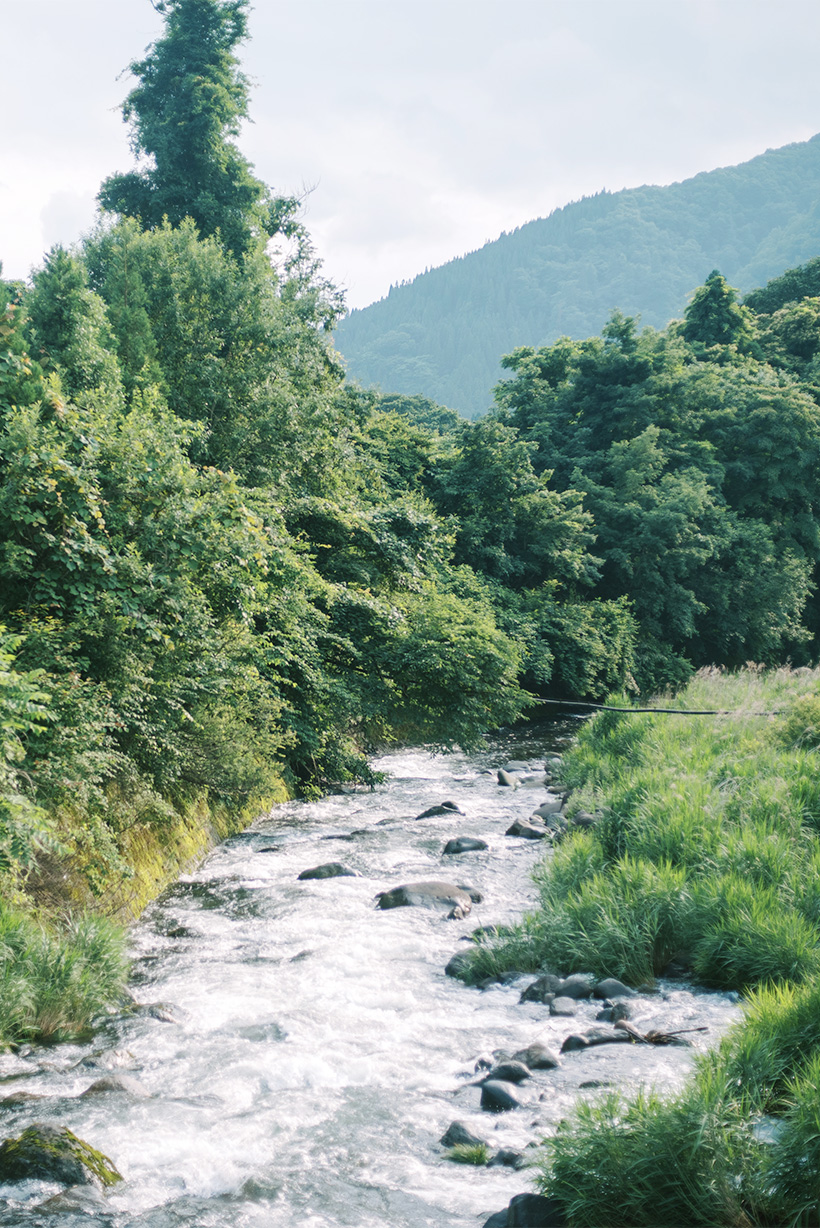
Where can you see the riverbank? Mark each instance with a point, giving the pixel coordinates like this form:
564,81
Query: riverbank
701,858
63,960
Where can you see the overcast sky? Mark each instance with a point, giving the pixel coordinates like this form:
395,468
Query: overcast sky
422,128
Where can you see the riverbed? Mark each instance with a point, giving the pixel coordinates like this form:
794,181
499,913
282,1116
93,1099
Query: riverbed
302,1052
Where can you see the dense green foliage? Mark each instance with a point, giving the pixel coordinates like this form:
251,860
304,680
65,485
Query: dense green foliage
220,568
696,451
644,250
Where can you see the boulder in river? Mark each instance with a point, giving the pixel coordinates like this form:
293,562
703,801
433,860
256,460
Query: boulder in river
611,988
538,1057
507,779
330,869
535,1211
464,844
457,1134
53,1153
433,894
527,829
565,1008
458,964
433,812
578,985
543,989
510,1071
498,1096
551,806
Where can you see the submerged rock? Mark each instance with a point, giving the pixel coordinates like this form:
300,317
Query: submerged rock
464,844
330,869
433,894
53,1153
123,1084
76,1200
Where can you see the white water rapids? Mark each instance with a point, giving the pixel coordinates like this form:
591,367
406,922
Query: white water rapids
305,1051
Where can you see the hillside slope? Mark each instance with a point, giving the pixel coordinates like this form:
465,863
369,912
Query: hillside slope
643,250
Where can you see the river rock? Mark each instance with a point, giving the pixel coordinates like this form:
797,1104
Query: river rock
542,990
506,779
499,1220
595,1036
538,1057
611,988
582,818
563,1007
613,1013
123,1084
330,869
551,806
464,844
433,894
508,1159
458,1134
458,964
527,829
578,985
535,1211
76,1200
434,811
508,1072
499,1097
53,1153
113,1059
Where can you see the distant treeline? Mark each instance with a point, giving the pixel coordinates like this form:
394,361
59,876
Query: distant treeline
642,251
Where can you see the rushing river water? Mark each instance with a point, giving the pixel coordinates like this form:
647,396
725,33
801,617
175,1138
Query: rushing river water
304,1052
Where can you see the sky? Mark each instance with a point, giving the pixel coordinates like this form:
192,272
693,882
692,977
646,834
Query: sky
415,130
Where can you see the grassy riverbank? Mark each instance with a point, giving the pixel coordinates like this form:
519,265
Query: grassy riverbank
706,854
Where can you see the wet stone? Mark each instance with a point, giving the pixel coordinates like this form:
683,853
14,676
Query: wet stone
464,844
457,1134
563,1007
499,1097
509,1072
538,1057
330,869
123,1084
53,1153
435,811
612,988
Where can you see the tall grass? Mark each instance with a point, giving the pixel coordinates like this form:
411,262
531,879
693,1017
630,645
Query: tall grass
708,847
54,981
710,843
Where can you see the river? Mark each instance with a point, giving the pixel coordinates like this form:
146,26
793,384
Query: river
302,1051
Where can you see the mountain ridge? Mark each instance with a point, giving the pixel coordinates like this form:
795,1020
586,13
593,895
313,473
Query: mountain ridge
642,250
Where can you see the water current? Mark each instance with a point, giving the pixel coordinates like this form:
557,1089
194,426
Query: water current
303,1052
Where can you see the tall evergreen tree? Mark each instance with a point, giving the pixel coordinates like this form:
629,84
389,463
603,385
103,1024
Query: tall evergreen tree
189,103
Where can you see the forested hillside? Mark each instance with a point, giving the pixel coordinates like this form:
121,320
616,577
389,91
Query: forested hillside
643,251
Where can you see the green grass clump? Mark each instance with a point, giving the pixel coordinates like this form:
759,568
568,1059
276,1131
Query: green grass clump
470,1153
54,982
651,1161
